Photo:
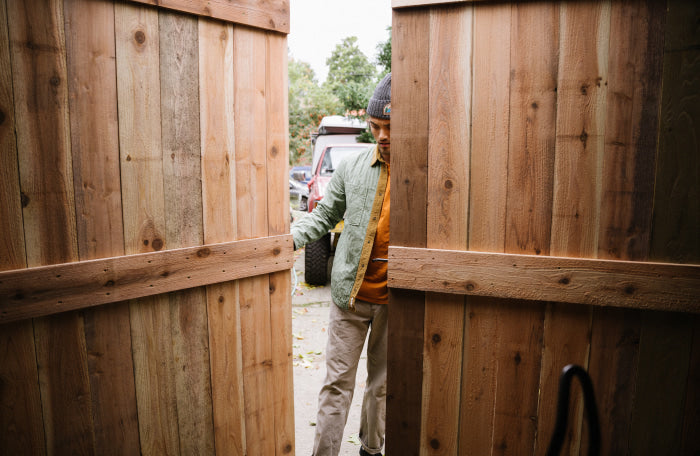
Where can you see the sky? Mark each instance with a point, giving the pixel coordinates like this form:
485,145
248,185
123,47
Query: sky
318,25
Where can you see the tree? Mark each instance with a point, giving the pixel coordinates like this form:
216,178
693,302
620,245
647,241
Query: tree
308,104
384,55
350,75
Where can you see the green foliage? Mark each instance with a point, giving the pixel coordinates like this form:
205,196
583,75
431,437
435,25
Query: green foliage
384,55
350,75
308,104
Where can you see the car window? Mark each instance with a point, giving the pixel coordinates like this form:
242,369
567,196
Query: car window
333,157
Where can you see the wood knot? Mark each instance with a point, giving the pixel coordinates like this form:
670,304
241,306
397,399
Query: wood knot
584,89
629,289
157,244
110,283
434,444
55,81
287,448
221,299
140,37
534,105
448,184
276,251
517,359
203,253
564,281
24,199
470,286
436,339
128,158
274,151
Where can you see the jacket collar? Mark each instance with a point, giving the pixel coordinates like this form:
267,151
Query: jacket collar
377,158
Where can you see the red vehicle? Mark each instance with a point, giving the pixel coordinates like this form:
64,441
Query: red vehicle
335,141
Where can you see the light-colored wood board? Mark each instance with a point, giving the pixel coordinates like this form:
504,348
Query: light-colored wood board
139,89
27,293
65,399
270,15
39,82
534,51
250,111
478,390
278,216
490,128
95,151
408,220
179,74
219,207
409,3
645,285
94,126
154,376
580,123
580,128
487,212
448,196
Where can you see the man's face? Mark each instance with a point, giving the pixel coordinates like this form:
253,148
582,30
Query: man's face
382,134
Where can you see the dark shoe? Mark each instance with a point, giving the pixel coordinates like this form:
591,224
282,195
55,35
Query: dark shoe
364,453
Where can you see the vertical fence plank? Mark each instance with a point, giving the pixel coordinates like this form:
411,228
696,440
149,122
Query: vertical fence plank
534,50
626,202
487,212
408,227
278,216
179,67
216,85
251,195
95,152
41,102
448,196
21,426
676,221
138,85
580,131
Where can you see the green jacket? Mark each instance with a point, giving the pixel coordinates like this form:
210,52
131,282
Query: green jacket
356,191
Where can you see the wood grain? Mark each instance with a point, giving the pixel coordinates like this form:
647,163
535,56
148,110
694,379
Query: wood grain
138,85
179,74
645,285
219,205
270,15
278,217
487,212
408,228
38,55
51,289
21,426
448,196
249,47
95,151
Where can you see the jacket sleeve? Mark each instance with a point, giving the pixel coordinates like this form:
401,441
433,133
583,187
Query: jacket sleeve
326,214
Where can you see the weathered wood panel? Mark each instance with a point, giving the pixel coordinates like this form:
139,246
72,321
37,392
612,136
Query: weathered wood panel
278,224
448,193
409,183
219,206
95,148
584,174
271,14
251,211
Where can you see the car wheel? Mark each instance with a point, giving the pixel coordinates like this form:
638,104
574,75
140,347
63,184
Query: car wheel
304,204
316,261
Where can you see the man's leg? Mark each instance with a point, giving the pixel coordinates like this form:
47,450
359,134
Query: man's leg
346,336
373,420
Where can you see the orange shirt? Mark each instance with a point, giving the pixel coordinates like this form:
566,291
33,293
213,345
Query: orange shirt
374,286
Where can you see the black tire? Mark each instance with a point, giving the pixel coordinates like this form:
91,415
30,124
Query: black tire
316,261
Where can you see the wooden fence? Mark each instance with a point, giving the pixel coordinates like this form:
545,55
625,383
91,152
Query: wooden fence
145,299
524,132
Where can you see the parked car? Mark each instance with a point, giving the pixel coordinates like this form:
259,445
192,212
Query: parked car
301,173
319,252
300,191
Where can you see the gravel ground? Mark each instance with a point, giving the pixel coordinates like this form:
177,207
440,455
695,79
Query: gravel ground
310,309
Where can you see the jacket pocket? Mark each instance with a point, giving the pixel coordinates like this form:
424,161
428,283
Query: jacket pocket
356,202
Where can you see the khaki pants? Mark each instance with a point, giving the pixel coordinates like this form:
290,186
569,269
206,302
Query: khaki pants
347,331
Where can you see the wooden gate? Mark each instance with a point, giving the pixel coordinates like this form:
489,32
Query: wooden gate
545,211
145,299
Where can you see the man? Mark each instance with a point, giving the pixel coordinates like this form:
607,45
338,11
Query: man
359,192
